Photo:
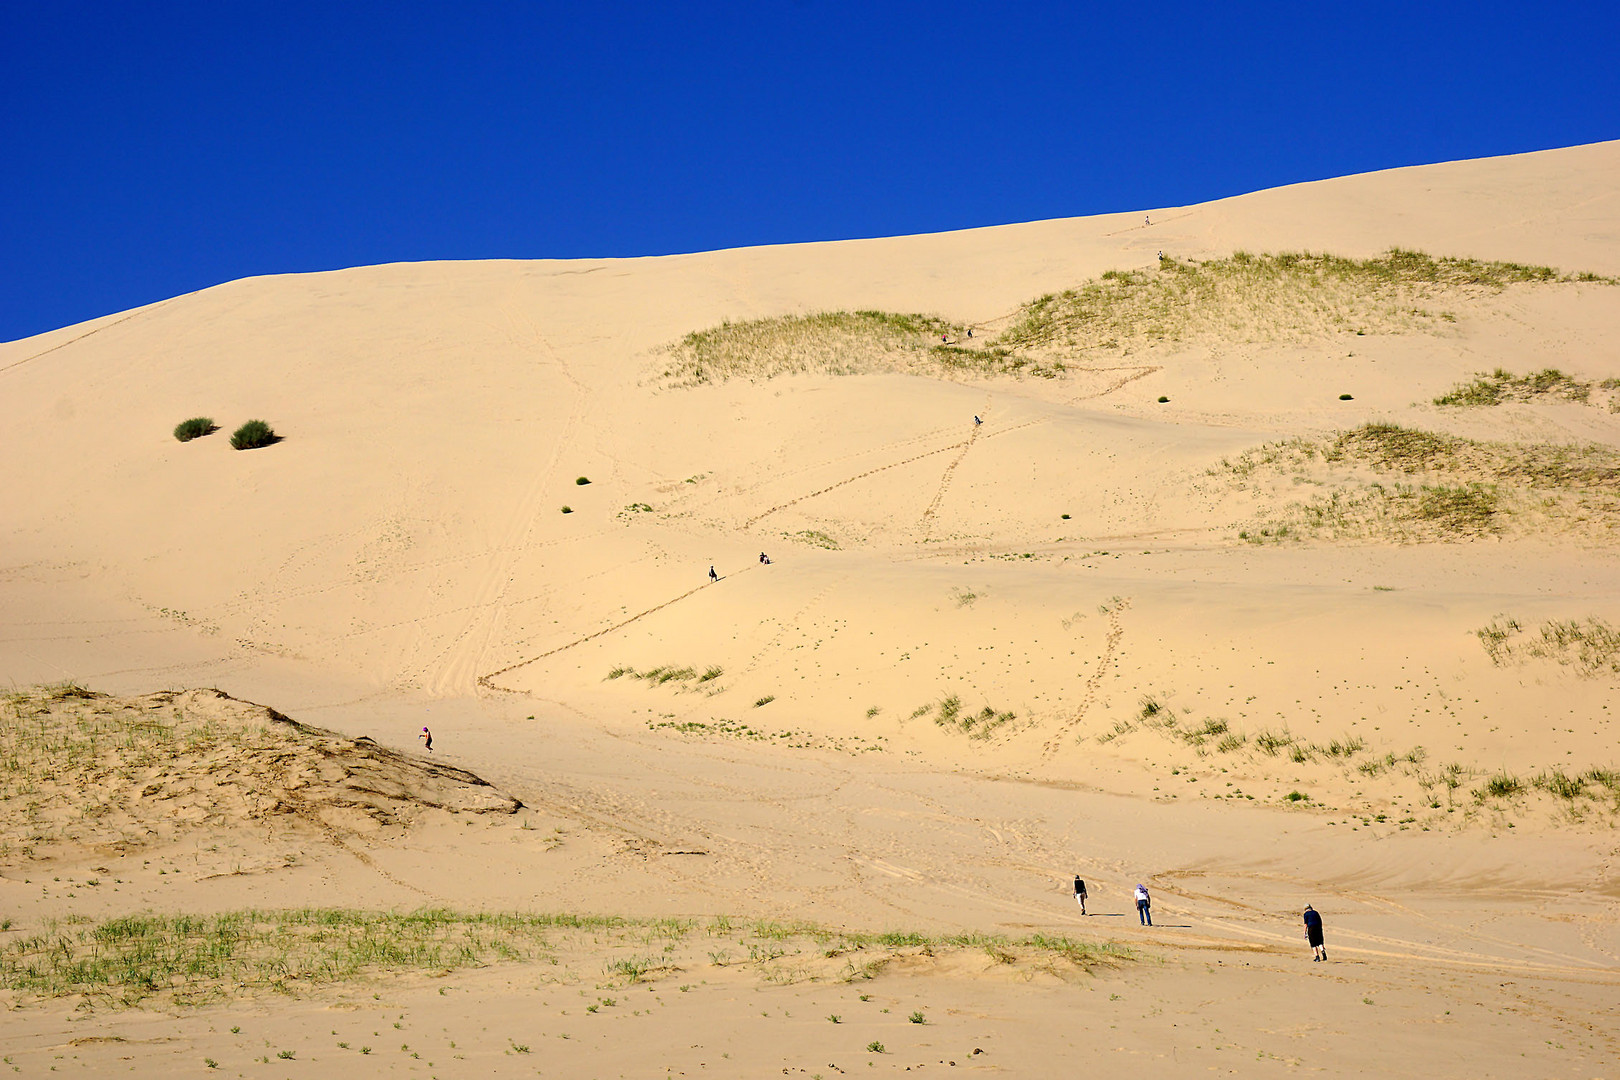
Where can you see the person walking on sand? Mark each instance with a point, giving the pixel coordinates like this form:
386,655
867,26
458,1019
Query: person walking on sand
427,740
1313,934
712,575
1144,905
764,559
1080,893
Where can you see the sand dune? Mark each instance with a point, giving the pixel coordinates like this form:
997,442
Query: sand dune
1259,579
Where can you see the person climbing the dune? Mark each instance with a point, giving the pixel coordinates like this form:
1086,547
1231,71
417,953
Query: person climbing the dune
1313,934
712,575
427,740
1080,893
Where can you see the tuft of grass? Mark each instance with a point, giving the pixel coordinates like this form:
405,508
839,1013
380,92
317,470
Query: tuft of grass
195,428
815,539
568,509
582,480
766,700
1501,786
252,435
948,713
875,1047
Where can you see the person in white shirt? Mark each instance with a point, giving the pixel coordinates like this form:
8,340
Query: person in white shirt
1144,905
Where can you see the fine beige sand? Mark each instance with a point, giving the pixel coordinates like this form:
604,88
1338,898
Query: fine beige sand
1175,615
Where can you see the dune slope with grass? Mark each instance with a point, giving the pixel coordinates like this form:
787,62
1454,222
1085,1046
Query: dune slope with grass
1261,551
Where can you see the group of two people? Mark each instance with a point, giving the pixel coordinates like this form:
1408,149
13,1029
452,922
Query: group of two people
1144,902
1144,912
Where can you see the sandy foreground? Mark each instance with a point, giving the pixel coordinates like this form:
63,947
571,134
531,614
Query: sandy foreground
1175,615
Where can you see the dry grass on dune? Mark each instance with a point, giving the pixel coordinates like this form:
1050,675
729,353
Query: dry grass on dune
78,767
1240,298
1402,788
1502,386
1440,487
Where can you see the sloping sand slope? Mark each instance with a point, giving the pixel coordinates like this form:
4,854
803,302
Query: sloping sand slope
1179,575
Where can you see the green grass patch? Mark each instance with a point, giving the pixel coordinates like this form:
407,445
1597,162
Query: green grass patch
252,435
195,428
948,713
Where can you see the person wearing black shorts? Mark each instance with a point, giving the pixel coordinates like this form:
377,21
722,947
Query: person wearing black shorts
1313,933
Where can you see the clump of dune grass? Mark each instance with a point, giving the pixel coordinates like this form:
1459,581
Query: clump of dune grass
1590,646
1502,385
829,342
948,713
195,428
664,674
1387,481
1249,297
252,435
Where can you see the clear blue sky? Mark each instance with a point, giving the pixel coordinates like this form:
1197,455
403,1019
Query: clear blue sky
151,148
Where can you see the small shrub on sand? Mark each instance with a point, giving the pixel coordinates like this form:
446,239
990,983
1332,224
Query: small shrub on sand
582,480
1501,786
252,435
195,428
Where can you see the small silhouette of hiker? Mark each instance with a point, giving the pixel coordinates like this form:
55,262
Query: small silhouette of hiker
970,331
764,559
977,421
1080,894
427,740
712,575
1313,934
1146,220
1144,905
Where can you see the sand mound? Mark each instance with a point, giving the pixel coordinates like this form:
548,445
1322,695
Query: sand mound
79,767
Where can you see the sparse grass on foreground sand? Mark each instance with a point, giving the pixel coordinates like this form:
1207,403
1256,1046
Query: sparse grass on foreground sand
1460,488
1410,791
1240,298
193,959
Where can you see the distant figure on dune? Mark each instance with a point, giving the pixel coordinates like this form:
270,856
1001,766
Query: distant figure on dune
712,575
427,740
1146,220
1313,934
1080,894
765,560
1144,905
977,421
970,331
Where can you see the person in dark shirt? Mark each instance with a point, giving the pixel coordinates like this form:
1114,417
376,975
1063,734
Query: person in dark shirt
1313,933
1080,893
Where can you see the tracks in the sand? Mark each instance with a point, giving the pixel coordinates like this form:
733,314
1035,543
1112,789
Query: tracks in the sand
487,682
1116,631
